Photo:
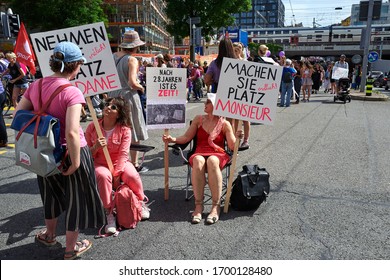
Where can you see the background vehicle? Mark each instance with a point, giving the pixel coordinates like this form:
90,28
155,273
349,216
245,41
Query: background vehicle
380,80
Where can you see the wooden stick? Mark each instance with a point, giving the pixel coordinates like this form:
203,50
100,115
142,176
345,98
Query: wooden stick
166,168
100,133
232,171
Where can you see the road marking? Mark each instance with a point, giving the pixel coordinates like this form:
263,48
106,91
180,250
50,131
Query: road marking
4,149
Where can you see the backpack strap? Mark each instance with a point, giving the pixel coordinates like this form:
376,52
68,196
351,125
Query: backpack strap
41,112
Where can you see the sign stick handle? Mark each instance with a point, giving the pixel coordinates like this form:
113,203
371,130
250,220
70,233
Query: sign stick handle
232,172
99,133
166,168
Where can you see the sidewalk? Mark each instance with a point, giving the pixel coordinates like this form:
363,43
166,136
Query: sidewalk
357,95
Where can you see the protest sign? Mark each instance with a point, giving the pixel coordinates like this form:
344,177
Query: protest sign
166,103
248,91
338,73
99,74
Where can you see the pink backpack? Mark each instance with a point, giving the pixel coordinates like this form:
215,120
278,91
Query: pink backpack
128,207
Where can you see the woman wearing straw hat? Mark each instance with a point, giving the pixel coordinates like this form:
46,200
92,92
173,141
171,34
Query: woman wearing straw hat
127,66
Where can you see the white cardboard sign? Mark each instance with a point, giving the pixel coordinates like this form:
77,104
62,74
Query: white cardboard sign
99,74
166,103
248,91
338,73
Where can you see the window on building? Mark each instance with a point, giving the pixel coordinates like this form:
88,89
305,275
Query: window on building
335,36
309,37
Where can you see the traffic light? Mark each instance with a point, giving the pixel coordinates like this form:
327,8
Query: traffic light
14,25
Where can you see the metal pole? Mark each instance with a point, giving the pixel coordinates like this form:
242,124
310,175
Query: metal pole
190,41
366,46
192,47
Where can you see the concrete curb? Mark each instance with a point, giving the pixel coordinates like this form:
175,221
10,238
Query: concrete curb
356,95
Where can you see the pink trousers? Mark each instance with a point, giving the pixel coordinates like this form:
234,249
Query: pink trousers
129,177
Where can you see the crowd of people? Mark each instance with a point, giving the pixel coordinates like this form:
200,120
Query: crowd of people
84,189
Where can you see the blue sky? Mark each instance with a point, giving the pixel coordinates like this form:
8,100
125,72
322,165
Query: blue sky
322,10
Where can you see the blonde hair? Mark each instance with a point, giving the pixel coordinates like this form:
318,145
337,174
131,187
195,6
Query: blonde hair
263,49
240,47
10,55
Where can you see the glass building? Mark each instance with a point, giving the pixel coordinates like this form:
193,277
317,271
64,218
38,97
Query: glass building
264,14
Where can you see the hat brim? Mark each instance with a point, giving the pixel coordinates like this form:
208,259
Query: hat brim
211,97
132,44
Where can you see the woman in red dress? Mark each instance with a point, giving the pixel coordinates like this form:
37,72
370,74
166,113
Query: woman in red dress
210,156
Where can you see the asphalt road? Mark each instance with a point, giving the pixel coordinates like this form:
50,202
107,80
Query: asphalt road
329,195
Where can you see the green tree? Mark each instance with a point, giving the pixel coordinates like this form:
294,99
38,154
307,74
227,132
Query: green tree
273,48
45,15
213,14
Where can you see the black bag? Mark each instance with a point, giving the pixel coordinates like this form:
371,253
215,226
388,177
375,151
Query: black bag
287,77
250,188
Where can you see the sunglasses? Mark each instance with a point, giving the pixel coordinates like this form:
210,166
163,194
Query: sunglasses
111,106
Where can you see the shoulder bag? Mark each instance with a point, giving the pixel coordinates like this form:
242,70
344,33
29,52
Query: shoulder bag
250,188
37,142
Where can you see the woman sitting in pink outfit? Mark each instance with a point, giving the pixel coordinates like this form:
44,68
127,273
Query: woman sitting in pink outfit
116,129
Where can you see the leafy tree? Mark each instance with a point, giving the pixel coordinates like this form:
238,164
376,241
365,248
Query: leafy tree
213,14
45,15
273,48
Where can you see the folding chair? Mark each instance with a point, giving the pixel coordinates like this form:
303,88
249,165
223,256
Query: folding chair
181,149
142,149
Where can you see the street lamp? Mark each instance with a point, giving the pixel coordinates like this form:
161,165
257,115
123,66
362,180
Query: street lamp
265,20
338,9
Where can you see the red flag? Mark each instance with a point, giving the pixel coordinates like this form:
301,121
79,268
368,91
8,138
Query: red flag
23,49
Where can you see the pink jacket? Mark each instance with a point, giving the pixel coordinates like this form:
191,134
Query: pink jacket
118,145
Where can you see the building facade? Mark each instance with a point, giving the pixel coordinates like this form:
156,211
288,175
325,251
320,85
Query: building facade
264,14
147,17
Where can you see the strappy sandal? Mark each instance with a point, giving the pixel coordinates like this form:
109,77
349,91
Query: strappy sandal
43,238
212,219
80,248
197,218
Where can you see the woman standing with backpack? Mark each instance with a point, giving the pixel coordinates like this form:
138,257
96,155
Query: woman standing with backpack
287,83
74,190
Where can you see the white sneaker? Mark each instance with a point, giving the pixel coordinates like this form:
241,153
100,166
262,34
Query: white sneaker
145,212
111,224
